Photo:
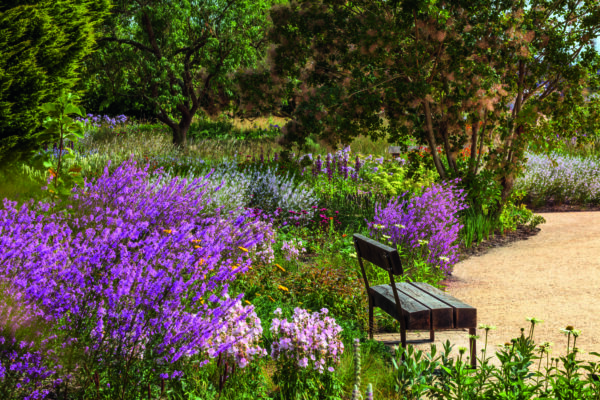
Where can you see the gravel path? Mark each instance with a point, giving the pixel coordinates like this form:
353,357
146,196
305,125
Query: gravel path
553,276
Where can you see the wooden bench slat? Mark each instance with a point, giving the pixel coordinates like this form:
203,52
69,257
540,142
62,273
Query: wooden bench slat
416,315
465,316
373,251
442,314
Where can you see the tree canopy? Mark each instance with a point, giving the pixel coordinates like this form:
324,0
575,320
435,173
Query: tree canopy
179,57
444,72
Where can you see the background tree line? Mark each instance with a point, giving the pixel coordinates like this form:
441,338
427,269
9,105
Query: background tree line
494,75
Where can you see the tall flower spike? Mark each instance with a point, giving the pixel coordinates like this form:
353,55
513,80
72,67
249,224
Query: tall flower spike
357,366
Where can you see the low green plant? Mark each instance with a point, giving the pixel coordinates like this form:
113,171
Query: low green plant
451,377
61,125
393,179
476,227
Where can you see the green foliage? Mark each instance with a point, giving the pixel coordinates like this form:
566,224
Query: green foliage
177,58
444,376
41,46
59,123
446,75
393,179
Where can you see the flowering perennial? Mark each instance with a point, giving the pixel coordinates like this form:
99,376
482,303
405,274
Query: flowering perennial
430,217
129,268
309,339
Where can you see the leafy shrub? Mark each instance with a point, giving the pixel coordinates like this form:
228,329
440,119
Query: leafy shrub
331,287
393,178
270,191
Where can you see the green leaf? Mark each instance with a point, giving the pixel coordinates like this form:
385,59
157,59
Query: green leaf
48,107
72,109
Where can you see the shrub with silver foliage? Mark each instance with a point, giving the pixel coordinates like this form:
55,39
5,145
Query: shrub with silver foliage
254,187
270,191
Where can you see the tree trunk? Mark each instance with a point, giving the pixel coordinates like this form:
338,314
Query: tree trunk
180,133
432,144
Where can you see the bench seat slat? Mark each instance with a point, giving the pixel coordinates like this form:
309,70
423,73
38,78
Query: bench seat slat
416,315
465,316
442,314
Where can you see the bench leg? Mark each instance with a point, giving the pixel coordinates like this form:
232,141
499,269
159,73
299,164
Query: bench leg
473,345
431,335
370,318
403,341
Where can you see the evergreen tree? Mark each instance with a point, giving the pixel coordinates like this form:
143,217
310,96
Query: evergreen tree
41,46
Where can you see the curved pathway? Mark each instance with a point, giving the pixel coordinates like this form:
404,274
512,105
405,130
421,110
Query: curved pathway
553,276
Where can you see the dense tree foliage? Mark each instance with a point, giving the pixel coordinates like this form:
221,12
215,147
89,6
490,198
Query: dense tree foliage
41,46
479,73
178,58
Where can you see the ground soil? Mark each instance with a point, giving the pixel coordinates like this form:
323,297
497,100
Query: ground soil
551,273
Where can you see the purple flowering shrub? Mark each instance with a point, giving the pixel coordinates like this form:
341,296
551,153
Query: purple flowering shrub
136,273
561,178
427,219
311,342
27,361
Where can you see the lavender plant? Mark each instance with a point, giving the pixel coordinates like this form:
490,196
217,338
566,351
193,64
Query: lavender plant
29,367
138,275
562,178
426,219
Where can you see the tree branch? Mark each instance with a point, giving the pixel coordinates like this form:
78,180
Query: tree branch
151,37
126,41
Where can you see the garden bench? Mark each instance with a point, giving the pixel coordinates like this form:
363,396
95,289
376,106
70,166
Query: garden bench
421,306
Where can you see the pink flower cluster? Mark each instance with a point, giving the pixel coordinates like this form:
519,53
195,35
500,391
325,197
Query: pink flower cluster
243,328
292,249
307,339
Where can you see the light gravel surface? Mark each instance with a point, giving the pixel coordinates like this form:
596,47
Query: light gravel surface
553,276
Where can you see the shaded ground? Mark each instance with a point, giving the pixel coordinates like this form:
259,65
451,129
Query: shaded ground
552,274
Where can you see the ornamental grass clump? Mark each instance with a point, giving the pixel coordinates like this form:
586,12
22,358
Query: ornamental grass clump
428,219
311,342
135,272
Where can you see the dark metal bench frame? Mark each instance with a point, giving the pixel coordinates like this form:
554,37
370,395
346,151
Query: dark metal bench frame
432,307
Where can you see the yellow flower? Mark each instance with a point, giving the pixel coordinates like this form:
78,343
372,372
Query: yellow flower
196,247
271,298
201,262
196,240
243,249
233,267
280,267
247,302
167,231
283,288
257,294
249,267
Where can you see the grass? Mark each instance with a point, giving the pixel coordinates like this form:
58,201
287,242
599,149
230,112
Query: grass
325,276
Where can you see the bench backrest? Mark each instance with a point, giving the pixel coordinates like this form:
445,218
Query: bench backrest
379,254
